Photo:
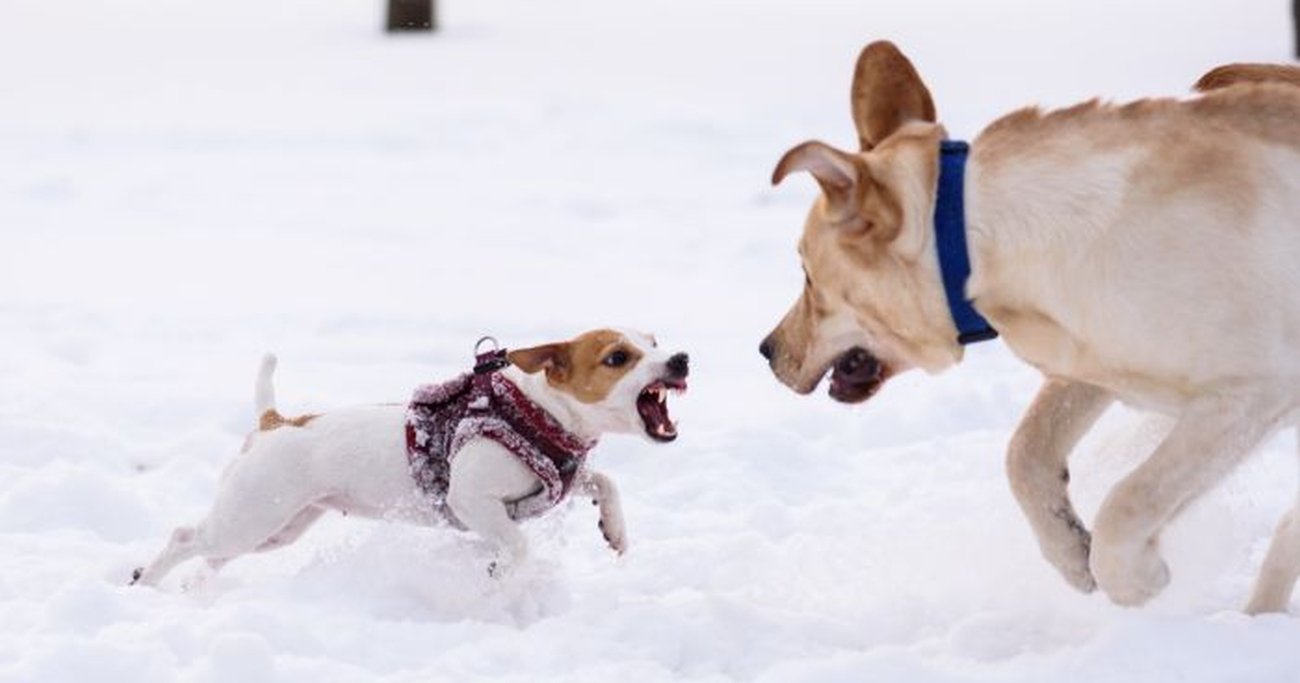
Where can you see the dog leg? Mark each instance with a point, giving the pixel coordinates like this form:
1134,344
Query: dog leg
1277,577
604,493
293,530
1212,436
484,475
1036,467
235,526
183,545
486,516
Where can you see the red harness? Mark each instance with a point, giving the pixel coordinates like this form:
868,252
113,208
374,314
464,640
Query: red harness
485,405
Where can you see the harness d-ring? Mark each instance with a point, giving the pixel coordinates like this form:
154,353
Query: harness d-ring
491,360
496,346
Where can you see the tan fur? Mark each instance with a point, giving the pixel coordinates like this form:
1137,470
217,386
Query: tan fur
858,221
861,229
1264,112
883,73
272,419
577,366
1234,74
1143,252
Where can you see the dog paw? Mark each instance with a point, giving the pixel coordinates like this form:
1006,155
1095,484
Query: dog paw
1072,561
614,533
135,576
1130,578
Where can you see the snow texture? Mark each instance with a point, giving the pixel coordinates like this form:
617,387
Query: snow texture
185,185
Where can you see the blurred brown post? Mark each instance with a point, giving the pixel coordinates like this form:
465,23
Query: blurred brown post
416,15
1295,17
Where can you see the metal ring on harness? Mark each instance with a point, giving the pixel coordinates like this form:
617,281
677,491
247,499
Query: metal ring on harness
486,362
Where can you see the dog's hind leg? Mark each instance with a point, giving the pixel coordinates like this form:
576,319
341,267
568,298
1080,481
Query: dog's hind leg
1212,436
284,537
238,524
1277,577
183,545
293,530
222,545
1037,469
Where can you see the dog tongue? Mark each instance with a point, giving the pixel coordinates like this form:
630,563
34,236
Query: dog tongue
654,413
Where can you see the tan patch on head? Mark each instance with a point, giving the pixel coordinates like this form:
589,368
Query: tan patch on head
272,419
586,367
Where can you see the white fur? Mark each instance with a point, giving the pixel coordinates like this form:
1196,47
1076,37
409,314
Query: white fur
354,461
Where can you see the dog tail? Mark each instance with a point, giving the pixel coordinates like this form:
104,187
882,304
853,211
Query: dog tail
1232,74
264,390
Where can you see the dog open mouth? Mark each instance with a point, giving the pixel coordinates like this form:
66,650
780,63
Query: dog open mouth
856,375
652,404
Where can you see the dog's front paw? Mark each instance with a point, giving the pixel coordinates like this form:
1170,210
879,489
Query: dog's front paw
611,527
1072,561
1130,576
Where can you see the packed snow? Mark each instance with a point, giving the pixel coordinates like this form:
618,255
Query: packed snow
187,185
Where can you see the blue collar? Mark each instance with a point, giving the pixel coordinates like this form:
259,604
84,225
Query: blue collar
950,240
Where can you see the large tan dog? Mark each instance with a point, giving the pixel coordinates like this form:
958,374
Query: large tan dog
1148,253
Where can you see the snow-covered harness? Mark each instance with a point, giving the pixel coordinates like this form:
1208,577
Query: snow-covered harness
483,404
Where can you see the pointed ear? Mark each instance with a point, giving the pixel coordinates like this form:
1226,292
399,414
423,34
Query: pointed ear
837,172
553,358
887,92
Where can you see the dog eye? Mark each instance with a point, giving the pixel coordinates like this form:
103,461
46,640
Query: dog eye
616,359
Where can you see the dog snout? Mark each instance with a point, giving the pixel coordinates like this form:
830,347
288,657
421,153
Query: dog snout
679,365
767,348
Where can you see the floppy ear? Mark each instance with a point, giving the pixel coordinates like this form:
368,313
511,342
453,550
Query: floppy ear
855,200
887,92
837,172
553,358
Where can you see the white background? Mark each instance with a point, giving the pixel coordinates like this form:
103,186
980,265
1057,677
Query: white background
185,185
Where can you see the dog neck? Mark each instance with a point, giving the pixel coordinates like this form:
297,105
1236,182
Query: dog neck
950,242
536,388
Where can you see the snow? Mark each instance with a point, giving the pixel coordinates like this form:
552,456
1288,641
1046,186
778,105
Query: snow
187,185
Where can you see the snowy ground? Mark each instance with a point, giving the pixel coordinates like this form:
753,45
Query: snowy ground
185,185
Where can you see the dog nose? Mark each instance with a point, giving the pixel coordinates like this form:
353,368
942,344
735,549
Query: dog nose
679,365
767,348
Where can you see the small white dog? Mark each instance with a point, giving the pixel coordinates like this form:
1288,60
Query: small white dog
482,451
